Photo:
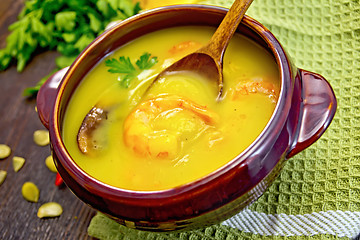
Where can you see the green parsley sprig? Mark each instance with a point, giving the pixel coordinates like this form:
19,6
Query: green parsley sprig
127,70
66,26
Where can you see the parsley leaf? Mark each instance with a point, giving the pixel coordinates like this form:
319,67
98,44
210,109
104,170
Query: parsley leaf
124,66
65,21
145,62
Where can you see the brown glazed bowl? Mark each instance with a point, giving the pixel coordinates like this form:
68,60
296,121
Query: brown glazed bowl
304,110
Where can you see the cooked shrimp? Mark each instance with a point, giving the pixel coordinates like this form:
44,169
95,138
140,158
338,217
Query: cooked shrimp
255,86
158,127
178,48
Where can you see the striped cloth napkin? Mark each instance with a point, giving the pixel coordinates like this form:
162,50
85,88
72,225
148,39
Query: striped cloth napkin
317,195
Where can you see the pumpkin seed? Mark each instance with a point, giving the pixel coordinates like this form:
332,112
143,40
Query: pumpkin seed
5,151
30,192
49,162
41,137
50,209
18,163
2,176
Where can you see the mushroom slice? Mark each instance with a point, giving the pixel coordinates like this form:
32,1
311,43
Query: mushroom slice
85,138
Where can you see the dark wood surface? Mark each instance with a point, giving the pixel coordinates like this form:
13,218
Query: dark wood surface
18,121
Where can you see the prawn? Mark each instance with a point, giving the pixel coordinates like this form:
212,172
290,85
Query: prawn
150,129
246,88
186,45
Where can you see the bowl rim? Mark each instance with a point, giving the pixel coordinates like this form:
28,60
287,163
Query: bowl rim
278,117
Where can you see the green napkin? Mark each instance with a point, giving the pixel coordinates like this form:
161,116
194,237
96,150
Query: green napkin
317,195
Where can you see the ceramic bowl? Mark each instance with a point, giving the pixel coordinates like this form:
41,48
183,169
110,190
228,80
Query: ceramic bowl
305,108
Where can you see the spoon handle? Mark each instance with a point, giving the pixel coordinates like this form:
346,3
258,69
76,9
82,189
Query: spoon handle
219,41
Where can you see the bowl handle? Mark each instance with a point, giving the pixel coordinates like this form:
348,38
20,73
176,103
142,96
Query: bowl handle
317,109
46,96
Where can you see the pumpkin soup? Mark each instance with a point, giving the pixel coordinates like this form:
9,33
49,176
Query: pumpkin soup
130,136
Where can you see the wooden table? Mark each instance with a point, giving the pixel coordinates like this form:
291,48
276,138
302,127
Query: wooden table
18,121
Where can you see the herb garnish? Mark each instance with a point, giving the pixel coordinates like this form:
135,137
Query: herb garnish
124,66
66,26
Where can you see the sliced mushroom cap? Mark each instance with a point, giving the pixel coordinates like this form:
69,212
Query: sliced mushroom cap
85,138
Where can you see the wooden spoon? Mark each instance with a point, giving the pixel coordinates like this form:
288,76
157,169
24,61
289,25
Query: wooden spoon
208,60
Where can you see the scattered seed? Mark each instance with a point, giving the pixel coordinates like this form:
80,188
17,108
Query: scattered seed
50,209
41,137
2,176
49,162
30,192
18,163
5,151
